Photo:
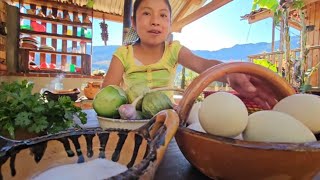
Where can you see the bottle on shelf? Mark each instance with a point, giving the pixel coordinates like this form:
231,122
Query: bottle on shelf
72,68
82,47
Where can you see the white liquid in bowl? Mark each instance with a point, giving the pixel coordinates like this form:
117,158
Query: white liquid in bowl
92,170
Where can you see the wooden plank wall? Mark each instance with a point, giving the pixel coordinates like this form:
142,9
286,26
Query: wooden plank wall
3,17
313,18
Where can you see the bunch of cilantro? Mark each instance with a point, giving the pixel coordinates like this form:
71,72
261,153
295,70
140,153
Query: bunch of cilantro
22,109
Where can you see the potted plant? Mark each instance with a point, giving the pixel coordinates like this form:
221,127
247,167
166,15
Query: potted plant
305,85
30,113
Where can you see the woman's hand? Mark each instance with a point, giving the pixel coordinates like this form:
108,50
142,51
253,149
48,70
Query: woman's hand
253,88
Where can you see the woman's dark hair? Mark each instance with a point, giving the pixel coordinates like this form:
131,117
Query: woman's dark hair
137,4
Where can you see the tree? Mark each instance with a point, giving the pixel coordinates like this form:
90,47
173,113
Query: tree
281,13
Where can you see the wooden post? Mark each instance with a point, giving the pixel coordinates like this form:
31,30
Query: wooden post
23,61
12,44
273,34
86,64
303,43
287,45
34,7
127,11
84,16
281,45
74,33
43,41
54,41
64,42
272,43
183,78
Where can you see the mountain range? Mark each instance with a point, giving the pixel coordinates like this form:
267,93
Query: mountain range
101,55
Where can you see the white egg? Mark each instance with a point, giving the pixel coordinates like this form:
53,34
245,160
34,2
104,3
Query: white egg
274,126
239,137
303,107
193,115
197,127
223,114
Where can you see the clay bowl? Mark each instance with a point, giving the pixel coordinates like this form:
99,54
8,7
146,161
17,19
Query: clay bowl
141,150
91,89
54,95
226,158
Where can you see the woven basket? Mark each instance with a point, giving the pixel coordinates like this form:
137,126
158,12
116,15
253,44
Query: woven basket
140,150
227,158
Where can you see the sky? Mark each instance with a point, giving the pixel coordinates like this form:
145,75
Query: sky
222,28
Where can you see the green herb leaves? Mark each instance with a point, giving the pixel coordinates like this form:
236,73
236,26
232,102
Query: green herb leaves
20,109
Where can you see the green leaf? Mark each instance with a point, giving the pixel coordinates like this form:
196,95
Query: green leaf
20,108
22,119
268,4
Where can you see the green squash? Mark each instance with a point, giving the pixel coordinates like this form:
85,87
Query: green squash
108,100
155,102
135,91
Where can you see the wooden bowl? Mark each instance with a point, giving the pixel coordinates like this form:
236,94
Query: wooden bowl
227,158
140,150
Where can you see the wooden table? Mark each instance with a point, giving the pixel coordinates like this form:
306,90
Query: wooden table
173,166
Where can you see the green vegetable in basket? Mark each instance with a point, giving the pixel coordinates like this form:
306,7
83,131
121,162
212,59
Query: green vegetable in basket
135,91
155,102
108,100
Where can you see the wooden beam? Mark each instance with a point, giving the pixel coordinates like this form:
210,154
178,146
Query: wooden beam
210,7
260,16
197,2
267,14
183,11
306,2
295,25
109,17
127,11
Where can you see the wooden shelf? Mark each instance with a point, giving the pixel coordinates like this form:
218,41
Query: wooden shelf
61,5
54,52
55,36
55,21
53,71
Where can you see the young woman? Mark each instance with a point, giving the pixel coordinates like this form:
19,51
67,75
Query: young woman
152,61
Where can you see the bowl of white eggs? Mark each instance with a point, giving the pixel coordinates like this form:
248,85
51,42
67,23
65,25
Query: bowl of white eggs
222,140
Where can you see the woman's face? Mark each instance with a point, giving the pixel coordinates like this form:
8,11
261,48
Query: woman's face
153,22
